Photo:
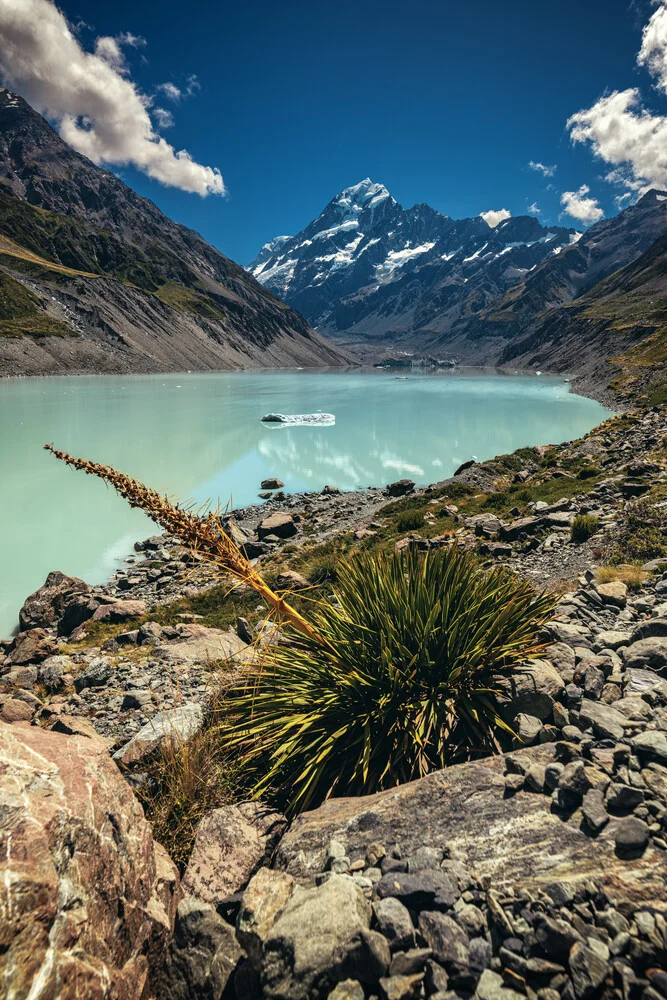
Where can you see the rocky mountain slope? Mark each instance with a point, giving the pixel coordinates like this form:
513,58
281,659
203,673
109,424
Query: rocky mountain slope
367,268
368,272
95,278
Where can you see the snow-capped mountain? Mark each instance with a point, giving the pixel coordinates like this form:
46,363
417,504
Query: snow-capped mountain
367,268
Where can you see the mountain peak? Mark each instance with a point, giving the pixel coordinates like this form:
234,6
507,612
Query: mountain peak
362,195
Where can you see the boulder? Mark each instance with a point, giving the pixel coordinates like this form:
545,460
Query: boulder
279,524
653,628
400,488
604,720
291,580
32,646
202,955
272,484
175,725
15,710
523,526
46,606
514,839
120,611
615,593
651,652
531,689
89,899
201,644
299,949
264,900
232,843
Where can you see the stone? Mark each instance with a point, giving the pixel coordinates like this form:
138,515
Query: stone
615,593
471,919
531,689
90,898
491,987
32,646
605,721
394,921
448,942
528,728
638,681
612,638
271,484
650,652
587,970
651,744
400,488
52,670
175,725
279,524
402,987
623,798
198,644
631,835
556,937
263,901
652,628
594,810
349,989
523,526
120,611
423,890
46,606
202,955
15,710
425,859
298,950
364,956
232,843
406,963
535,778
562,659
290,580
330,491
574,780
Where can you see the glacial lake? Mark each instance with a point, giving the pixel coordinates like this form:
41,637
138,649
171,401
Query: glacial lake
201,436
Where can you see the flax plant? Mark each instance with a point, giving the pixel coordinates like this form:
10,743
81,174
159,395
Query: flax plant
203,534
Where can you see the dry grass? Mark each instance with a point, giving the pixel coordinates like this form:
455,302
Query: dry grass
632,576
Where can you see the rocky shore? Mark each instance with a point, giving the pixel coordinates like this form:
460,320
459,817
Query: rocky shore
537,874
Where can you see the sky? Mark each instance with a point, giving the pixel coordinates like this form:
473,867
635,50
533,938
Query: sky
557,110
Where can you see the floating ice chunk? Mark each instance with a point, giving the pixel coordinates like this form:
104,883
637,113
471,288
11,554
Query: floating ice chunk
299,419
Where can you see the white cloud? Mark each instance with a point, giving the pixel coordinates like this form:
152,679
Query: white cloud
98,109
164,118
578,206
170,91
534,210
495,216
542,168
653,53
624,134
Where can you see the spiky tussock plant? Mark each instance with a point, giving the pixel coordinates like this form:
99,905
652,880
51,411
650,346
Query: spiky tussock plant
399,682
202,534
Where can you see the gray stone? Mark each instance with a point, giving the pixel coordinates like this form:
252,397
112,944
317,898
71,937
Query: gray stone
402,987
394,921
651,744
531,689
349,989
263,902
425,859
448,942
631,835
423,890
406,963
613,638
587,970
528,728
650,652
299,949
491,987
556,937
594,811
623,798
561,656
364,956
604,720
202,955
176,725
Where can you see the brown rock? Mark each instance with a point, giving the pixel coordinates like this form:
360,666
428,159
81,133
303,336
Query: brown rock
279,524
48,604
15,710
400,487
290,580
264,900
90,897
120,611
32,647
231,844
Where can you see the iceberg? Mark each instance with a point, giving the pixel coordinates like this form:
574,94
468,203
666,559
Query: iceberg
300,419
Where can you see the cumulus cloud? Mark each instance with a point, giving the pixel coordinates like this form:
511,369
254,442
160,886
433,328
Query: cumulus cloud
97,107
653,53
534,210
542,168
621,131
163,118
494,217
580,207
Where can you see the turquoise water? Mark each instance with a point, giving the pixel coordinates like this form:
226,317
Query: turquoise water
200,436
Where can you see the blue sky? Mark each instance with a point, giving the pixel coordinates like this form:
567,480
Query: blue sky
443,103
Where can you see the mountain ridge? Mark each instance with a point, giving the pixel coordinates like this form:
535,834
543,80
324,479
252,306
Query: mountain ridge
163,299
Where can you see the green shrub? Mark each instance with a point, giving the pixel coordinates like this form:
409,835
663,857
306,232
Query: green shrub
583,526
399,683
410,521
641,533
589,472
324,568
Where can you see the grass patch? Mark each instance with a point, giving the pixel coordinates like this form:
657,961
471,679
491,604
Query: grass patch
641,533
582,527
632,576
410,520
21,315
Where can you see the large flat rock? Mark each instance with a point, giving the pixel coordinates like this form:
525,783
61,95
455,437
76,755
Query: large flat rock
464,810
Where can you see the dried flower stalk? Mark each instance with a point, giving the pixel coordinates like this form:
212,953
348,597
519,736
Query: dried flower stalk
204,535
